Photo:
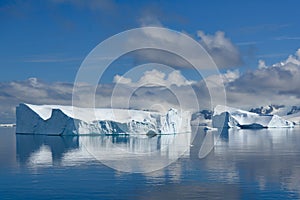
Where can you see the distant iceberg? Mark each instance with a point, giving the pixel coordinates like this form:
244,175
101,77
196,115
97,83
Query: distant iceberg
231,117
295,117
68,120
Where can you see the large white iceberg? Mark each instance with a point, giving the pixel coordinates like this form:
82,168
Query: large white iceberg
66,120
225,116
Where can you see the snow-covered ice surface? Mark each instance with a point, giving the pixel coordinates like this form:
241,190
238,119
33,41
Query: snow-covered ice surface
280,110
231,117
291,113
293,117
66,120
7,125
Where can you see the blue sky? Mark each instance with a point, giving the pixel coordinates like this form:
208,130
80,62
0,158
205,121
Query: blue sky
49,39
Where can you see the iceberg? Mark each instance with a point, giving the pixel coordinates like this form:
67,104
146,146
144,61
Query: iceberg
231,117
69,120
295,118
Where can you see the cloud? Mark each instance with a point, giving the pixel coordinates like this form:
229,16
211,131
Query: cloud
153,14
248,43
277,83
155,90
263,27
286,38
150,18
222,50
155,78
261,64
121,80
50,59
31,91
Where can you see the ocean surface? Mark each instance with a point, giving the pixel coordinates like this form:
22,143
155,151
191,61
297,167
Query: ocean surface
244,164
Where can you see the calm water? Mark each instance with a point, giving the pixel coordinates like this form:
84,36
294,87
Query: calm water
245,164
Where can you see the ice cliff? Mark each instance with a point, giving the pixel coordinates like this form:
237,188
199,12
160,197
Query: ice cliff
66,120
231,117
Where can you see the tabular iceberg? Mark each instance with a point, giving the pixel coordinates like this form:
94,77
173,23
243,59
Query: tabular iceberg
231,117
66,120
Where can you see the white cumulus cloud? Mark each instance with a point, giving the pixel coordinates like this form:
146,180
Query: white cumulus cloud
155,78
221,49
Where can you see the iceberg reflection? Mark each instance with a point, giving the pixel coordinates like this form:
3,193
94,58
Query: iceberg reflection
43,150
121,152
134,154
264,156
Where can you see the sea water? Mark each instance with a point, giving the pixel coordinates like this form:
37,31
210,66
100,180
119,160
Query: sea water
244,164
